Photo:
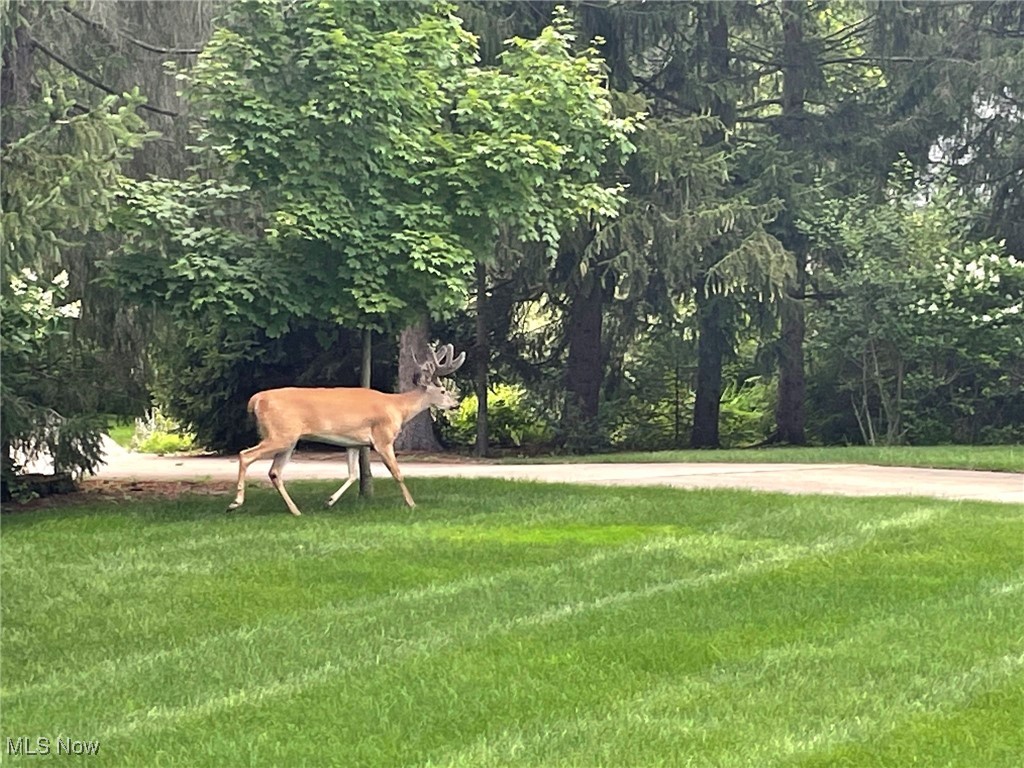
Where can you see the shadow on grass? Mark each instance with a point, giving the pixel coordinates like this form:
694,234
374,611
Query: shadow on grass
439,500
146,505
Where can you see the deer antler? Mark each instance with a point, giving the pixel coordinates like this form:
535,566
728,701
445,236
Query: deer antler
443,364
447,362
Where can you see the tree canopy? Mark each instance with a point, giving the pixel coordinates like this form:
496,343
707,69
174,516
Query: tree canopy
355,160
759,263
383,158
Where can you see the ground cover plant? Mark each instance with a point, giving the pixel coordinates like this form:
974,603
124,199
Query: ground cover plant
508,623
996,458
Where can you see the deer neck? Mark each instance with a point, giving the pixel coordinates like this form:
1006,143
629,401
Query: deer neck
413,403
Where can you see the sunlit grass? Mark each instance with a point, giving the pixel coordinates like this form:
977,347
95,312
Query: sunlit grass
121,431
519,624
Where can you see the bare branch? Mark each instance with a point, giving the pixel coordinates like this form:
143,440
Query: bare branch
141,44
874,60
836,39
93,81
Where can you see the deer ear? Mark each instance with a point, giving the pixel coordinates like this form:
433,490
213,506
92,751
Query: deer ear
417,379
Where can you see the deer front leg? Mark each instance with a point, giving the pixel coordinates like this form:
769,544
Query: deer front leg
353,475
387,455
240,488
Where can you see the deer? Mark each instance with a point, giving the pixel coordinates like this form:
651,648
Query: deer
352,417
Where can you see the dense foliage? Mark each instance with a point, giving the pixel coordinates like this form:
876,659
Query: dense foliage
814,238
382,159
925,339
61,157
365,163
514,421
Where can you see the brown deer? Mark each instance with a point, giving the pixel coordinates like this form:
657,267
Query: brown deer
346,416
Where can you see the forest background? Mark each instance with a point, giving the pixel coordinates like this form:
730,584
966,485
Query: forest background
651,225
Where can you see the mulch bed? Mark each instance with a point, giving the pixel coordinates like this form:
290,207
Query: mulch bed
116,490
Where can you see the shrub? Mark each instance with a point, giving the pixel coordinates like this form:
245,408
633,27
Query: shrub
746,417
638,424
206,376
924,340
159,433
746,414
513,421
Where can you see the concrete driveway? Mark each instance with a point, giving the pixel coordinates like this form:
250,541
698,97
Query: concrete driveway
840,479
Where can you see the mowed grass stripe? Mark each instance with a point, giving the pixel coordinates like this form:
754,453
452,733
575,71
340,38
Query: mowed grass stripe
54,578
739,699
572,666
912,662
442,597
435,596
320,629
185,548
700,549
470,628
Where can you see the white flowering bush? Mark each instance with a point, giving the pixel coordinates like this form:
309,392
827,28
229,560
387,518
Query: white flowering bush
62,153
40,371
40,304
981,293
925,339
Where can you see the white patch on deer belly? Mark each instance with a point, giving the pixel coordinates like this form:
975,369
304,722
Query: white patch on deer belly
344,442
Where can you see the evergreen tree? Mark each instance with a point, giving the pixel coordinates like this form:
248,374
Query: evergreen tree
64,143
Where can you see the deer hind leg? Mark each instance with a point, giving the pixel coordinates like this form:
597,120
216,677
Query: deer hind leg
387,455
264,450
353,475
276,469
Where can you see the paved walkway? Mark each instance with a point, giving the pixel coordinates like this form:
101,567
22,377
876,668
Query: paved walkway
841,479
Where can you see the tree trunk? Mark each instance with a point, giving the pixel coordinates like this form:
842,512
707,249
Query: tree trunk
712,339
482,355
365,475
15,78
789,410
6,470
792,385
712,343
584,366
418,433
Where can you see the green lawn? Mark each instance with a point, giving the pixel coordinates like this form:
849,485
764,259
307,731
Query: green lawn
519,624
121,432
998,458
